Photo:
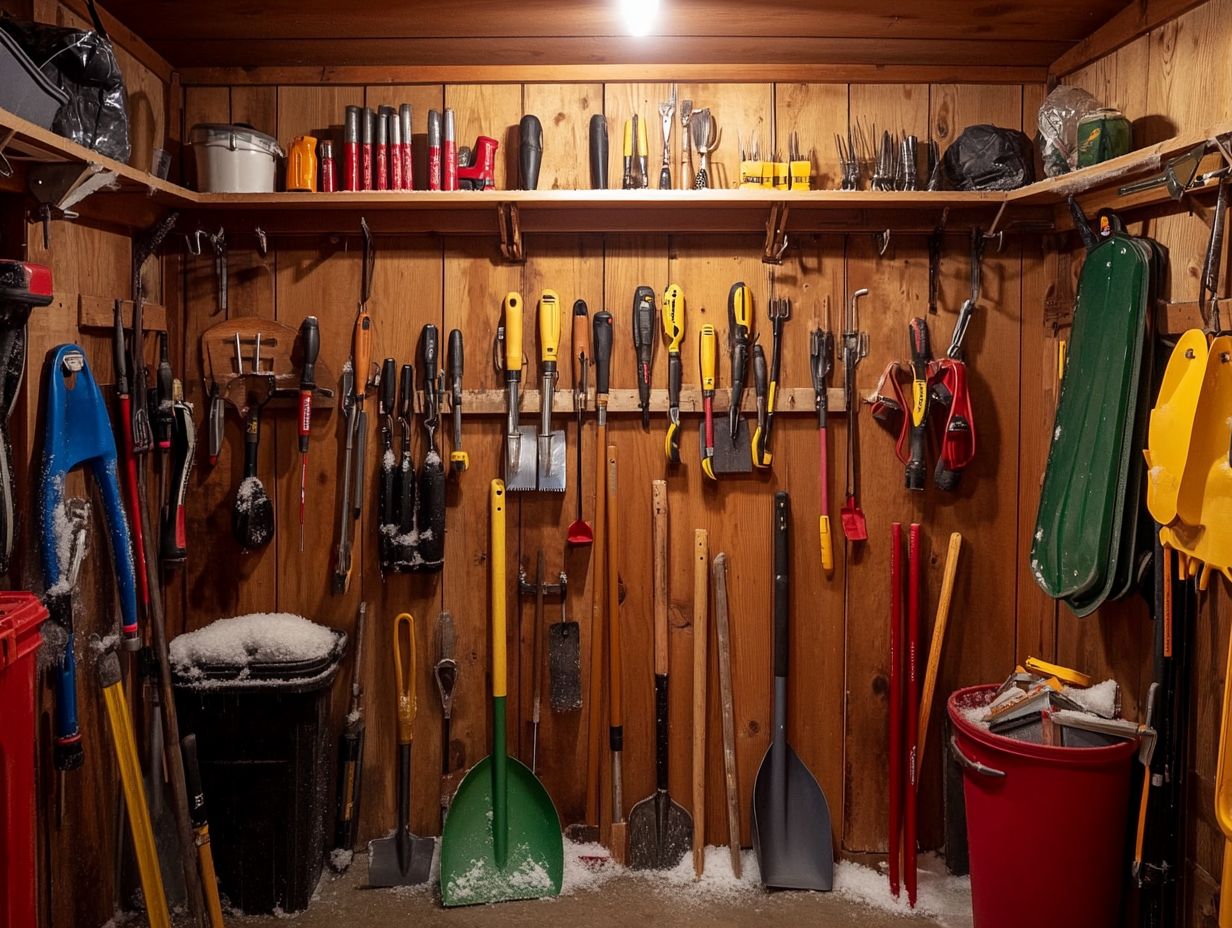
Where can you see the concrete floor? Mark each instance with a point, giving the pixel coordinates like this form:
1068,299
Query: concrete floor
605,902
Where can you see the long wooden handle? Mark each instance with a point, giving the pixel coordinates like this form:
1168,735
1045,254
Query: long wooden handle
595,702
935,645
615,700
659,496
701,611
404,675
727,704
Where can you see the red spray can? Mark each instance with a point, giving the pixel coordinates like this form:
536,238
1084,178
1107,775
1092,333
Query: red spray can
325,155
434,150
394,131
451,152
367,140
404,150
350,150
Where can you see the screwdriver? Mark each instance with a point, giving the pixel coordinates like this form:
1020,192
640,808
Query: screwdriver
644,337
310,338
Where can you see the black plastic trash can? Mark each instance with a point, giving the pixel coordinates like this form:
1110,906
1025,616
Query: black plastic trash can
256,692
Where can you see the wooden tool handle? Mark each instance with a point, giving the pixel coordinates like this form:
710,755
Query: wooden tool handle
935,645
361,351
615,699
659,496
701,610
404,675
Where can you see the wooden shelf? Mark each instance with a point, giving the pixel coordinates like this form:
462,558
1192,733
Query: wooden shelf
139,197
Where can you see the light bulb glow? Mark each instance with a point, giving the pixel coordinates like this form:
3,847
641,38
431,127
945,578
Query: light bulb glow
639,15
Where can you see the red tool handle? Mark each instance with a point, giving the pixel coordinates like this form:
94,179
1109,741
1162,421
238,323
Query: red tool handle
134,500
896,702
913,709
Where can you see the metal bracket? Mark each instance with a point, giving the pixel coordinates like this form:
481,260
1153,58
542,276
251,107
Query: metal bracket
510,226
881,241
776,234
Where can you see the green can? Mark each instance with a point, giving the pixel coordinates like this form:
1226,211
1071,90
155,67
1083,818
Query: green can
1102,134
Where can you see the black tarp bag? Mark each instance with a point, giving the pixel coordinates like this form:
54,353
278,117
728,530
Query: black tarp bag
986,158
83,64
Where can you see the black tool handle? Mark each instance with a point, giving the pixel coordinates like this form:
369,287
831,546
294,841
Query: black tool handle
192,781
164,387
665,178
760,377
530,151
739,365
406,474
429,354
921,354
602,348
389,387
361,455
781,587
310,342
350,760
406,391
456,362
675,374
598,152
661,738
252,436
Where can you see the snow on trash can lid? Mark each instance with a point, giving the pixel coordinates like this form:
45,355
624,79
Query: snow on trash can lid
279,650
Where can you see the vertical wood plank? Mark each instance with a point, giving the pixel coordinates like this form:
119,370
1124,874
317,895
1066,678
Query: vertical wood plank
816,112
565,111
493,110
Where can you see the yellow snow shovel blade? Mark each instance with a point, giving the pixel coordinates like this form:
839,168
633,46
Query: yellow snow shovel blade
1171,427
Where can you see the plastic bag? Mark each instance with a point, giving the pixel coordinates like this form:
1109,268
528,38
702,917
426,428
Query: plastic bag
1058,127
986,158
83,64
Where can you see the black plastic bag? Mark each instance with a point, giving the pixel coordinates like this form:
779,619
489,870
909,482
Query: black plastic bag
83,64
986,158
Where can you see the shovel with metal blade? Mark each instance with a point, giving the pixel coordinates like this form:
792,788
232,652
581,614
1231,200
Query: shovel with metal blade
551,444
660,830
855,347
402,859
791,817
519,441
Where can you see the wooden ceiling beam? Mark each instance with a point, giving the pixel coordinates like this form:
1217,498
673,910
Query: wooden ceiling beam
1135,20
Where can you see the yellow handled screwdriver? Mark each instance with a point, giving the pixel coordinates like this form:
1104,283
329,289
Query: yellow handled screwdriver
708,353
626,178
673,327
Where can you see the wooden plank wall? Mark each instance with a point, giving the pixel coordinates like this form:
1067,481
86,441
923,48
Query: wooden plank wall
839,640
1172,80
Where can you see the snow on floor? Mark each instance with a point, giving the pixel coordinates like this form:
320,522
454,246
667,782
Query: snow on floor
941,896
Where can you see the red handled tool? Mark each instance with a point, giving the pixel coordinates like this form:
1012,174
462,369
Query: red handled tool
911,729
896,702
310,342
855,347
821,357
131,490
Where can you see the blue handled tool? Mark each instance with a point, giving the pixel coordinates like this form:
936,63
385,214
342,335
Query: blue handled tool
78,431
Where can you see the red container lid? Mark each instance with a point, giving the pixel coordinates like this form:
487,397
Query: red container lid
21,614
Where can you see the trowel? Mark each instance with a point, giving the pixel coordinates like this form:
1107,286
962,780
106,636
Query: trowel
551,443
733,451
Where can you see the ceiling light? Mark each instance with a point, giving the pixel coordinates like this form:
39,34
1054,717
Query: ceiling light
639,15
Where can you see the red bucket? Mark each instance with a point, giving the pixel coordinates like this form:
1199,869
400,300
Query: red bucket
1045,825
21,614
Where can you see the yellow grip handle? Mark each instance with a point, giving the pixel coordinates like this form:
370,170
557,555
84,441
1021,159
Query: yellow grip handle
496,574
513,331
741,304
642,147
673,316
709,350
404,675
628,146
549,325
827,545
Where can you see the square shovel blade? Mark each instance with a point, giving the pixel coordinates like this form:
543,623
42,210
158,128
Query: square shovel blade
521,459
401,859
732,455
552,462
565,666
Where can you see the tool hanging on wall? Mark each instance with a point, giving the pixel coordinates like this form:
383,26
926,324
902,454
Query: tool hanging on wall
701,618
673,328
601,344
502,838
551,471
351,756
396,515
780,312
911,726
821,363
727,706
921,358
618,835
173,538
124,409
22,288
403,858
645,335
520,460
355,392
579,531
429,531
445,671
310,347
459,460
855,347
540,589
792,832
667,110
761,379
660,829
707,361
252,514
732,446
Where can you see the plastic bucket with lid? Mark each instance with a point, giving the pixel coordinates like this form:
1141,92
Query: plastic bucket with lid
1046,825
234,158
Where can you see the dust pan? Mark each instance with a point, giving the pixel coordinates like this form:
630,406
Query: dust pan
1172,421
852,518
791,817
502,838
402,859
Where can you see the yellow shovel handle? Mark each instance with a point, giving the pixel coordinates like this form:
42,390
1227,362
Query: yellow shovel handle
513,331
404,675
549,325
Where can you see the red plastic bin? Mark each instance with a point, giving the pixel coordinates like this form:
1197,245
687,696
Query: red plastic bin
21,614
1069,803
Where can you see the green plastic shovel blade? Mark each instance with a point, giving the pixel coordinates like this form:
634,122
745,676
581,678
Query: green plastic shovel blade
480,861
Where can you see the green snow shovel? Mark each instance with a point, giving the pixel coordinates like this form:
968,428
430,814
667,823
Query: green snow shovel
791,817
502,839
402,859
